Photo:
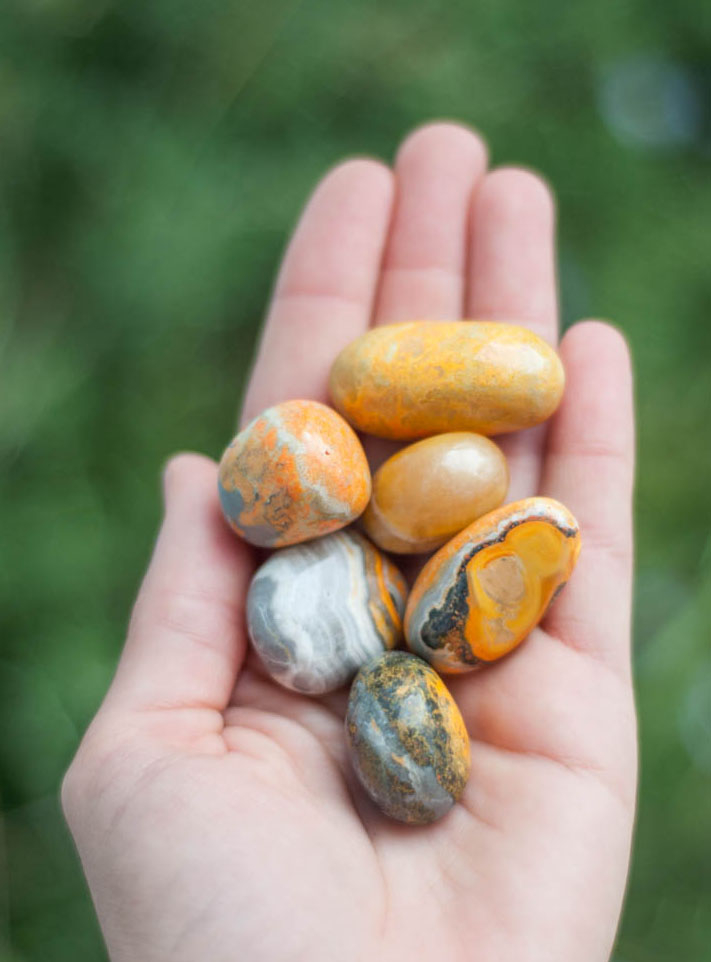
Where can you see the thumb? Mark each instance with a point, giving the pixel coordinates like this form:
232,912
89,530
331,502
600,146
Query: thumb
187,640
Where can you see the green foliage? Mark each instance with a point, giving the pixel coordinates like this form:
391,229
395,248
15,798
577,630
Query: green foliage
153,158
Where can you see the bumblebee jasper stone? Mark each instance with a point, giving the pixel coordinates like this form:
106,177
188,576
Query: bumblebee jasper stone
407,738
427,492
487,588
318,611
410,380
296,472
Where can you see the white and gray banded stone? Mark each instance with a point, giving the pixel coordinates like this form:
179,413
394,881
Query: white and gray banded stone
318,611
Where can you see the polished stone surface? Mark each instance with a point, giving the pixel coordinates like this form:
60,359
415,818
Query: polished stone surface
296,472
318,611
410,380
481,594
427,492
407,739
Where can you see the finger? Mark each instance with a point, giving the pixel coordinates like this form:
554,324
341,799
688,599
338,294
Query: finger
512,260
326,287
186,640
589,466
512,278
436,170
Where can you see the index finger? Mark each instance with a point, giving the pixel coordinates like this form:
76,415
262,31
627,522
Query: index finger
326,287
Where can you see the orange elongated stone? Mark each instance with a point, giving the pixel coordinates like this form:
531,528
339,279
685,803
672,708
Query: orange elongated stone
296,472
409,380
487,588
430,490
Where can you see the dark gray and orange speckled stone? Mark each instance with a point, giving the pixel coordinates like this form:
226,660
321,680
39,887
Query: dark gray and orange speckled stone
407,739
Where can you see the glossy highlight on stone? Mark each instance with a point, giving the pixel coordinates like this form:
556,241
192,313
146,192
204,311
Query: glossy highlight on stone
407,739
410,380
487,588
427,492
296,472
318,611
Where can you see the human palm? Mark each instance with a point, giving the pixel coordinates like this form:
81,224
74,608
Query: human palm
215,813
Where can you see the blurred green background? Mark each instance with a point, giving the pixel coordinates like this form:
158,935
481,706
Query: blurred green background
153,157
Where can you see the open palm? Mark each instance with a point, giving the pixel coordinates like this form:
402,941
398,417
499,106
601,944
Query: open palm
215,813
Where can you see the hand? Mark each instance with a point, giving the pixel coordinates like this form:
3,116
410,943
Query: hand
216,814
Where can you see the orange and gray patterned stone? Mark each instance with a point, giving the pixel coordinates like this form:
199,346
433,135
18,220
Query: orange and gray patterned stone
430,490
410,380
318,611
481,594
296,472
407,739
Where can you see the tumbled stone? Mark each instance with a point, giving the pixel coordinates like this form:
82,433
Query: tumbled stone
428,491
481,594
410,380
296,472
318,611
407,739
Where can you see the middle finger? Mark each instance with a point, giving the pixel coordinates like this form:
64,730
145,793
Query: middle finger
424,268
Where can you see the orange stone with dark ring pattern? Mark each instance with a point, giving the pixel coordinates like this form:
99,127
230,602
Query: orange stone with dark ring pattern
487,588
410,380
296,472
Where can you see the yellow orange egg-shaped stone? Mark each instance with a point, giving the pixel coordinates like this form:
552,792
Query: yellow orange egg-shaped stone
487,588
410,380
430,490
296,472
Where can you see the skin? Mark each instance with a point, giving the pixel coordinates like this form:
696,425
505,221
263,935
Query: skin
215,813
